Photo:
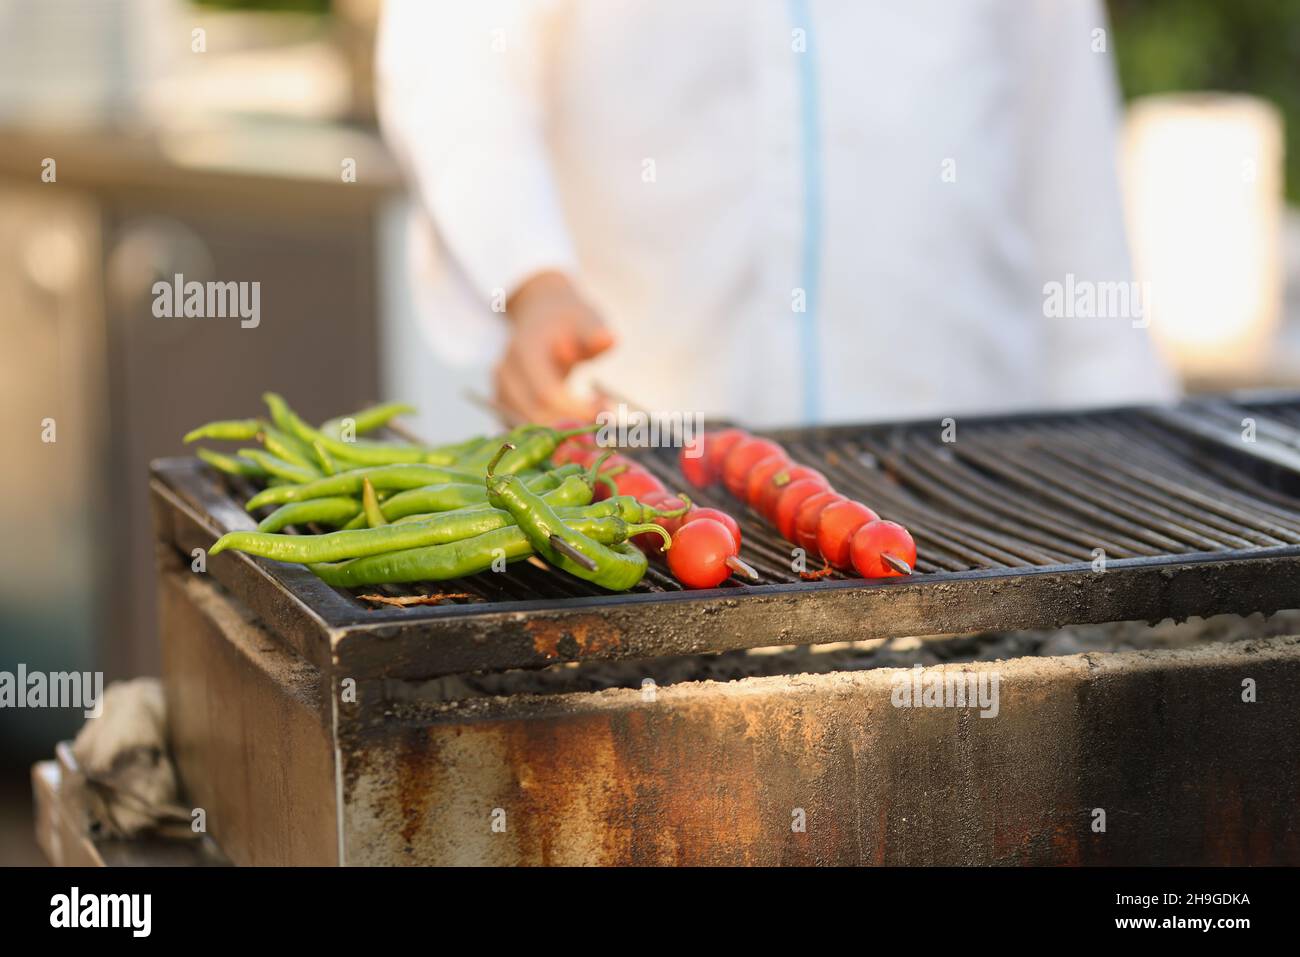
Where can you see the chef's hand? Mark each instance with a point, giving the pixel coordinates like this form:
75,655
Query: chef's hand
552,330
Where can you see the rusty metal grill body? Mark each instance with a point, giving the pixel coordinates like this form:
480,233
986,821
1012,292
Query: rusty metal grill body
1013,522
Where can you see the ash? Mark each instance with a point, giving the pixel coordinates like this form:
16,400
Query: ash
860,655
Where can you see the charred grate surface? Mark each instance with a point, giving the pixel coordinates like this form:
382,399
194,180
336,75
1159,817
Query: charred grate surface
1010,496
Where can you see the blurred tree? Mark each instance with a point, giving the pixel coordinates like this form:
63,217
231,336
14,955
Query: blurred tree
1242,46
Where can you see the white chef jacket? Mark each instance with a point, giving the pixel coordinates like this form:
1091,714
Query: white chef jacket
787,212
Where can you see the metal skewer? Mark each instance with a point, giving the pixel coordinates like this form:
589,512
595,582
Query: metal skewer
567,550
897,564
742,568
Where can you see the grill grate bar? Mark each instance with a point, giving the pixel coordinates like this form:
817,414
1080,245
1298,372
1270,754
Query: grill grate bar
1095,508
1174,506
951,480
1232,484
974,503
1155,518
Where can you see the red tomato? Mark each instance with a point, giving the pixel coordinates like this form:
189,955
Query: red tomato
638,483
668,502
568,425
614,461
651,542
879,538
574,445
801,472
761,475
779,482
701,459
695,464
742,459
602,490
717,447
788,502
698,558
665,501
585,456
805,523
835,528
717,515
570,451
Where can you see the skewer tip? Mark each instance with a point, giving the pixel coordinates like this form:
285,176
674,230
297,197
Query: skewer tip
742,568
564,548
896,563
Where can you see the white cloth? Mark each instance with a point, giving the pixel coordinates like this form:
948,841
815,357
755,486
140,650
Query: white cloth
695,165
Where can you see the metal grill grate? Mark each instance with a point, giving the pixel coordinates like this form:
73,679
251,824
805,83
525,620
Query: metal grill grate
1012,496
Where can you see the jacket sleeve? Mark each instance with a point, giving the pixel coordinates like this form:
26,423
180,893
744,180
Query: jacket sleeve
1075,210
461,101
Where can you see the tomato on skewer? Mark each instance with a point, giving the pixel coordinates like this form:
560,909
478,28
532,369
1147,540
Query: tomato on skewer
883,549
668,502
805,524
694,467
788,502
704,554
574,445
701,460
836,526
719,447
742,459
717,515
639,483
761,475
770,493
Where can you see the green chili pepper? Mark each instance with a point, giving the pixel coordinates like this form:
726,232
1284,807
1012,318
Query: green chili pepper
227,430
287,448
462,497
435,529
361,452
442,498
478,452
630,510
457,559
370,506
333,511
573,492
487,450
279,467
232,464
367,420
615,568
326,461
349,483
425,516
534,449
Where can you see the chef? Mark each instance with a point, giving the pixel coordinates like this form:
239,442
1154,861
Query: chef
784,212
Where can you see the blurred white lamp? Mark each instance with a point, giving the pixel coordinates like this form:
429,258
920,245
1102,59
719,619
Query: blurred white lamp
1203,197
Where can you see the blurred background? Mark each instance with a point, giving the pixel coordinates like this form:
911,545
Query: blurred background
227,161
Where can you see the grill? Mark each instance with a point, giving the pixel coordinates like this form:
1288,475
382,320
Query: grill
1021,522
315,730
